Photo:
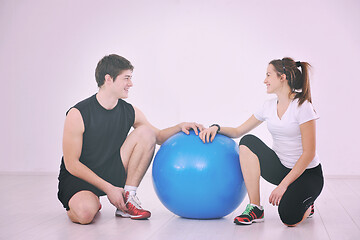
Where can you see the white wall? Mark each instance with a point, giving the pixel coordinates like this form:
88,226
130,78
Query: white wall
199,61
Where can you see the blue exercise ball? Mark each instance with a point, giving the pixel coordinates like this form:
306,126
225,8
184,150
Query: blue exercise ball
198,180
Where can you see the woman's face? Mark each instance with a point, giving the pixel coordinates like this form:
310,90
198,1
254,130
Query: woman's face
272,81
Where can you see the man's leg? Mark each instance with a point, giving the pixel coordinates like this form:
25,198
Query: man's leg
83,207
137,153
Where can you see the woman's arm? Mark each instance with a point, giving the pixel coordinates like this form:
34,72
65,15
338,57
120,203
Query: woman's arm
308,139
208,135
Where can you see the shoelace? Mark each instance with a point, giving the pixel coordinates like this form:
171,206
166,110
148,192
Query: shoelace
248,209
133,199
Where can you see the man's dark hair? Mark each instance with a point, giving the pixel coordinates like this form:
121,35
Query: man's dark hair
113,65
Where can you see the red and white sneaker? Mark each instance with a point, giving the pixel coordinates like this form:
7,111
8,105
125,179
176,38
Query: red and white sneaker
135,211
312,211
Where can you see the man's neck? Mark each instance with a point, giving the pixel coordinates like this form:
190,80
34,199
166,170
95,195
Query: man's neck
105,100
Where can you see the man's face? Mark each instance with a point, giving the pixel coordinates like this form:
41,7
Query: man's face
122,84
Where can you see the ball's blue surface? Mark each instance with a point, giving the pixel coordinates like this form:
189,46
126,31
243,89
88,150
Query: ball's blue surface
198,180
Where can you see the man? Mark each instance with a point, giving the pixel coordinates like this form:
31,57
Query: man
99,157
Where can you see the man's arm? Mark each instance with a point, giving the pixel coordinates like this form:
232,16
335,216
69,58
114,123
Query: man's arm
164,134
72,145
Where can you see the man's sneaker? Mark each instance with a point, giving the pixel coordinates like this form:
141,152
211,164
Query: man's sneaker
312,211
250,215
135,211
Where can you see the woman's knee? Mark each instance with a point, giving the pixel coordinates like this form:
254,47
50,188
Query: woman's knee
248,140
290,215
243,149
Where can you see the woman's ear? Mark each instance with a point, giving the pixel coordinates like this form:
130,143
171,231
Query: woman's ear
283,77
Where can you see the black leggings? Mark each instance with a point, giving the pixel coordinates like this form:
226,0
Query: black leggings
300,194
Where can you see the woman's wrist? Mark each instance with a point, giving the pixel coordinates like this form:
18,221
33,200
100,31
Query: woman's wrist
215,125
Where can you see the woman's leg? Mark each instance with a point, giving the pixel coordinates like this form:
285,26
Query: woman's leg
257,159
295,205
250,168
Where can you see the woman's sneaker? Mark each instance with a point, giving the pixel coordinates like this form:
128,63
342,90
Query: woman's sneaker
250,215
312,211
135,211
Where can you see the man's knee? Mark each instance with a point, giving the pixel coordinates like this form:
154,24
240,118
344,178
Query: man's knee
146,136
83,215
83,207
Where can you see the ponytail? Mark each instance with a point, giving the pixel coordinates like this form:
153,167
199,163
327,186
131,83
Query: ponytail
304,80
298,81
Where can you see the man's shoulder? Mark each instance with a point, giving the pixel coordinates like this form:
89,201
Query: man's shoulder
122,101
82,104
129,106
85,101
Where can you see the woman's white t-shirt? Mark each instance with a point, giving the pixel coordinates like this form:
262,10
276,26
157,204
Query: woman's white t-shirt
286,131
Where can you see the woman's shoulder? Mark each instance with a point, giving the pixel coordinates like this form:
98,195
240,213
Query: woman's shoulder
305,105
306,111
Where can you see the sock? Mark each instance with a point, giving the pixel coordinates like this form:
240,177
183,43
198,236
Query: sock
259,207
130,189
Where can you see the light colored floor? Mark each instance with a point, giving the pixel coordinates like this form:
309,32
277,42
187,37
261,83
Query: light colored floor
30,210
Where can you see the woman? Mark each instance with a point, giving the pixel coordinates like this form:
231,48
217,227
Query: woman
292,164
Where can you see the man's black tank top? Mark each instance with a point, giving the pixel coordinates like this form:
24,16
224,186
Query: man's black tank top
105,132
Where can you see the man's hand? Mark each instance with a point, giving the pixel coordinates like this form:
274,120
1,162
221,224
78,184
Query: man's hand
186,126
116,197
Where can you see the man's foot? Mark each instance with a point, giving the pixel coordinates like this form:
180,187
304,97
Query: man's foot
250,215
312,211
135,211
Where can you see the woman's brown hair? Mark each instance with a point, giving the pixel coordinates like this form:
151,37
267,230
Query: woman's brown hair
298,81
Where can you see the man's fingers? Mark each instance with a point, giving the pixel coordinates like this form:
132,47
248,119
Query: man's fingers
122,206
201,135
200,126
194,127
185,130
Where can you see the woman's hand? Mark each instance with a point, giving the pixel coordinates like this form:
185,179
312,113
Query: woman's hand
208,134
276,195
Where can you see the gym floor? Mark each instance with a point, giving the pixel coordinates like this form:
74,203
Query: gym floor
30,210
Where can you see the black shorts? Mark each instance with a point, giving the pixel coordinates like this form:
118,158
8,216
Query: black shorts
300,194
69,185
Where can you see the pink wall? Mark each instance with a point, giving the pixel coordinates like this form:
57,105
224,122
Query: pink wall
199,60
